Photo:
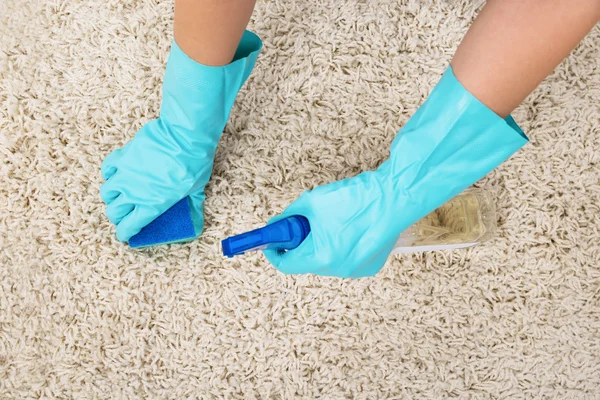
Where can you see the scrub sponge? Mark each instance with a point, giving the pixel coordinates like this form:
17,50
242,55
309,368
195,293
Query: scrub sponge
175,225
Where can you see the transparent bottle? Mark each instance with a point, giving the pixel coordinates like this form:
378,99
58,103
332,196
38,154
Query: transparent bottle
466,220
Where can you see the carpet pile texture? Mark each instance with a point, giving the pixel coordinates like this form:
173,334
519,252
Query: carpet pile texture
82,316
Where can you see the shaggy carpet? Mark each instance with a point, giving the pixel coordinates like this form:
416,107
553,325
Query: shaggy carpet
82,316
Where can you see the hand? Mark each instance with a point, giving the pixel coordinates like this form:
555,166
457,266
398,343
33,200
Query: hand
172,157
452,141
354,227
156,169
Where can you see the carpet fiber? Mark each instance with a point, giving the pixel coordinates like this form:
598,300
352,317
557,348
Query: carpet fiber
82,316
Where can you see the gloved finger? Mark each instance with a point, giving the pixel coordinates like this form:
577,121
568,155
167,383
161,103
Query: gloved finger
196,201
288,262
297,261
314,256
135,221
276,258
305,258
119,208
109,165
110,190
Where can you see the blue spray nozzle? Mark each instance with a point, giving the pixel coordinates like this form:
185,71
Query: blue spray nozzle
285,234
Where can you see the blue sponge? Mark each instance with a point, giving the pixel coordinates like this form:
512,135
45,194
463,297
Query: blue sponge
174,226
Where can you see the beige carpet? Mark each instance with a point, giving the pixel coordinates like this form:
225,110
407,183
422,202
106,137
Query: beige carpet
82,316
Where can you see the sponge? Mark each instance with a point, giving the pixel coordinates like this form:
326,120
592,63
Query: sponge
173,226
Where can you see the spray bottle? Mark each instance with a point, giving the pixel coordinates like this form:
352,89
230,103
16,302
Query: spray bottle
466,220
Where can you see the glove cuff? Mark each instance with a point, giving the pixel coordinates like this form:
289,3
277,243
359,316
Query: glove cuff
452,141
197,99
183,71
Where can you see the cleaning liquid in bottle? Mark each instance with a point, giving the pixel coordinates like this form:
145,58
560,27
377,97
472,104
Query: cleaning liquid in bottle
464,221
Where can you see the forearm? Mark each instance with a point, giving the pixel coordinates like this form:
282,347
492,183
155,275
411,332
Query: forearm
514,44
209,31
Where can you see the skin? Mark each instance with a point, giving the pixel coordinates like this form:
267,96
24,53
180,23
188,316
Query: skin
514,44
209,31
510,48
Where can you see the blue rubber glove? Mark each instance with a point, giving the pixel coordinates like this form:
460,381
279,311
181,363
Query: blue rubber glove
452,141
172,157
